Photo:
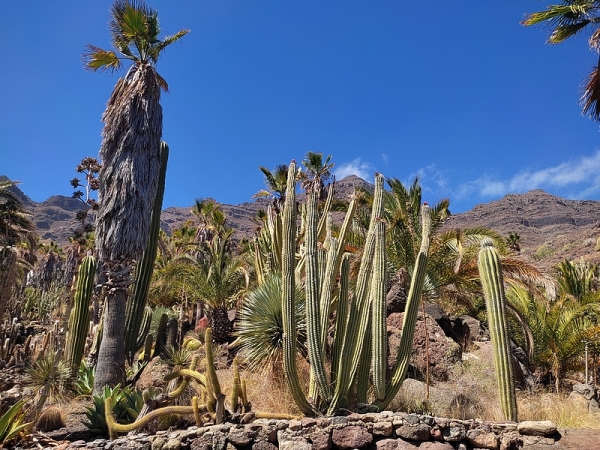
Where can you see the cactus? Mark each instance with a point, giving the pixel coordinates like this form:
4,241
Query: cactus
410,312
79,321
360,339
161,336
490,272
51,419
136,305
114,427
379,309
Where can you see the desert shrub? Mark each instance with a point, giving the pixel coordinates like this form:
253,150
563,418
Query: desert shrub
542,252
52,373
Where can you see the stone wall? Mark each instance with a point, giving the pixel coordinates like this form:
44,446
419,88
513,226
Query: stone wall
375,431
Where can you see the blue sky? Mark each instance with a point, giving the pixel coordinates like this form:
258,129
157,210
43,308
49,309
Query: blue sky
457,93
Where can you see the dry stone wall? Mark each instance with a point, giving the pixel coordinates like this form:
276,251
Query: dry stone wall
374,431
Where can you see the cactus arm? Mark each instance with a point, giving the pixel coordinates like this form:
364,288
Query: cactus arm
322,227
364,365
288,293
79,320
259,267
359,311
328,288
313,285
114,427
136,305
340,317
379,310
161,336
410,313
490,272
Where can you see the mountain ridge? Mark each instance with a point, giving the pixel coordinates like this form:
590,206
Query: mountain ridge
551,228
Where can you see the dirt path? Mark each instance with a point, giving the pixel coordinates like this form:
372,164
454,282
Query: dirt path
572,439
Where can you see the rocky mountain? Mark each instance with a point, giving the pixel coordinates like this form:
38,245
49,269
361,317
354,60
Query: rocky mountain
551,228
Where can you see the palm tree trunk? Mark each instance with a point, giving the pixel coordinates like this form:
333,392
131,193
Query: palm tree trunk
111,356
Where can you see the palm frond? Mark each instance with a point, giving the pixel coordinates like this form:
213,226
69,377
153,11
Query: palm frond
590,99
94,58
556,14
564,32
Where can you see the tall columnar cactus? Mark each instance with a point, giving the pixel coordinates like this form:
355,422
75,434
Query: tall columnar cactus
379,309
490,272
136,305
360,321
79,320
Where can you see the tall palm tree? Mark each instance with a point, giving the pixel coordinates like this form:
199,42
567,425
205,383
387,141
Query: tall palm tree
130,156
318,172
566,20
276,182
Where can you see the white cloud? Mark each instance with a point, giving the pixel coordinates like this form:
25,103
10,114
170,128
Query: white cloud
361,169
385,157
581,177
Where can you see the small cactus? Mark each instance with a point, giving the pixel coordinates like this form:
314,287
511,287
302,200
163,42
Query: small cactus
51,419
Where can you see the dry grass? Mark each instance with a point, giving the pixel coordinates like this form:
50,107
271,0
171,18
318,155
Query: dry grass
266,389
565,412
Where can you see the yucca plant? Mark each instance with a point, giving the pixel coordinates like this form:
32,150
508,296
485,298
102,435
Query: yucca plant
52,373
259,329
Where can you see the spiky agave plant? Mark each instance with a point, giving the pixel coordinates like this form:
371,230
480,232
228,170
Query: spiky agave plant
259,329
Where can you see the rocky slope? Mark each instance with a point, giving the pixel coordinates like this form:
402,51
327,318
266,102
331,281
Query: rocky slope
551,228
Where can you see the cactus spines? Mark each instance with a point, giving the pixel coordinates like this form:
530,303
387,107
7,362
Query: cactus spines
161,336
360,312
411,311
79,319
313,297
51,419
379,309
490,272
288,263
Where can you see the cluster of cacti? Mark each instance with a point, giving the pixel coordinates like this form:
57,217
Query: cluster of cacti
135,329
79,320
490,272
211,396
360,321
13,350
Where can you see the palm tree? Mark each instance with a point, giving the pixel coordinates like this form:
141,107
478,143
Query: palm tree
559,328
318,172
566,20
130,155
276,182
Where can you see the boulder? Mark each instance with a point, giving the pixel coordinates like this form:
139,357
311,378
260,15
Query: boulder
536,428
396,296
429,340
